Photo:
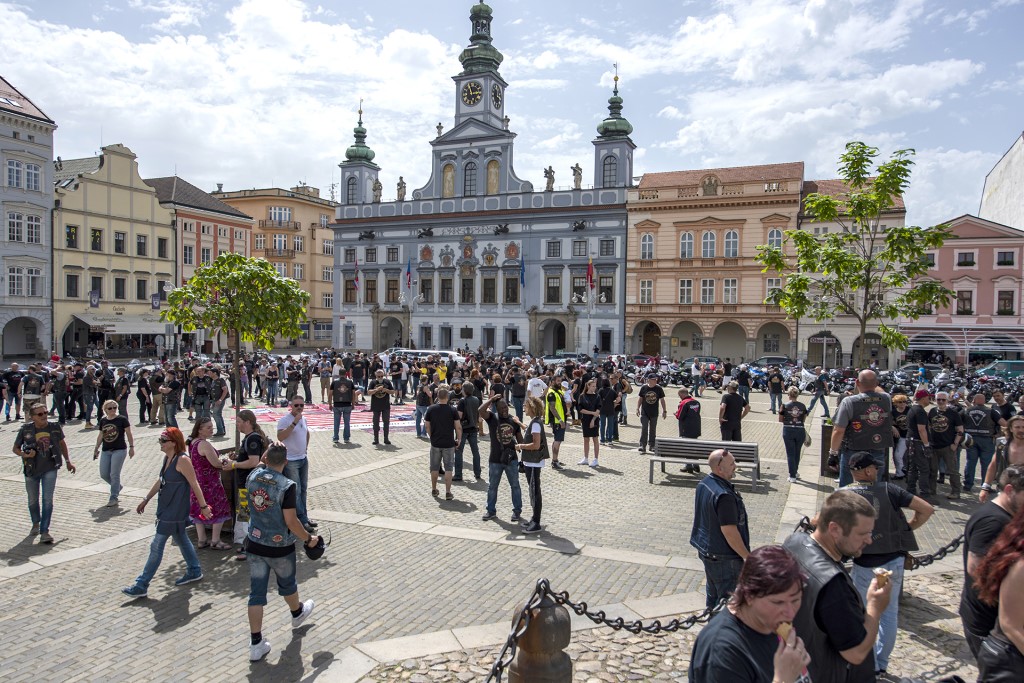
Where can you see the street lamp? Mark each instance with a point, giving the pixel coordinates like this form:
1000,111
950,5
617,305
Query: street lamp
588,301
168,288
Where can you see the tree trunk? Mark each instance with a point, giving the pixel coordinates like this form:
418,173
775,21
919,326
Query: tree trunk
236,356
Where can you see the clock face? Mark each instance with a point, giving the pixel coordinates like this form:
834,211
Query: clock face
472,93
496,96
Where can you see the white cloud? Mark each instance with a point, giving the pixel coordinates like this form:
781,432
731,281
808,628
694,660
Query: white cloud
944,181
539,83
177,14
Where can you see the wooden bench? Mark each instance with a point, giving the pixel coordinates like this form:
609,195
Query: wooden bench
696,451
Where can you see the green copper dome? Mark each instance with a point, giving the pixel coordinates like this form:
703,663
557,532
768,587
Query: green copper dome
360,151
480,10
616,125
480,56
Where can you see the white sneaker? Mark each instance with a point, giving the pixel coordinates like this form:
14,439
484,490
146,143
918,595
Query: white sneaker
593,463
307,609
259,650
792,480
582,462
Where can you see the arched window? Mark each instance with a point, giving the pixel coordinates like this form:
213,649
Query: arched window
686,245
647,247
448,181
775,238
609,171
350,190
707,245
732,244
469,181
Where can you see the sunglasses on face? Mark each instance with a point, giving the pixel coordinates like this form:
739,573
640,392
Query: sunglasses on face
163,440
39,414
109,409
300,406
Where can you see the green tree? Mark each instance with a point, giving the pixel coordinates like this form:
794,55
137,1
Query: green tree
872,274
244,297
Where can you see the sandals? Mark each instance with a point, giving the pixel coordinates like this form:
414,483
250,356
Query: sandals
222,546
200,546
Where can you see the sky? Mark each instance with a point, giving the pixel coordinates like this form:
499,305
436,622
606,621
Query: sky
264,93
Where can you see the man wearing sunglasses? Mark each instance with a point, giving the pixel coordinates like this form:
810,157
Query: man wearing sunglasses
946,430
293,432
40,444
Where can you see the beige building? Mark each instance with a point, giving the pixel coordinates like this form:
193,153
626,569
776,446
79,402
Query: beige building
694,287
114,254
291,232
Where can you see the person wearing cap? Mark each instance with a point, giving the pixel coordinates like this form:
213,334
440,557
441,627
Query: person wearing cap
919,447
731,411
720,532
648,398
274,526
891,539
863,422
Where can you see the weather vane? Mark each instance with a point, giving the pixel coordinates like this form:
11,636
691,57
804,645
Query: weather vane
615,65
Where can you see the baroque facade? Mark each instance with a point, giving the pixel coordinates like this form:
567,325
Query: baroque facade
26,155
477,257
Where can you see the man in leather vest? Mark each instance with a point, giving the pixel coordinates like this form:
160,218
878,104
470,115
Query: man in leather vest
270,545
891,539
838,630
981,422
863,423
720,532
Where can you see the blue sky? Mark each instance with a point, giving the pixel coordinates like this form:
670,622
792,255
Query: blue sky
253,93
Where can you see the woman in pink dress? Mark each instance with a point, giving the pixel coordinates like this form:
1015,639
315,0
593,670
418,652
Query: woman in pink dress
207,465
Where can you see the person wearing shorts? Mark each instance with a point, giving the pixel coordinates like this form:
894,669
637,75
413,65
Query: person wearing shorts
444,430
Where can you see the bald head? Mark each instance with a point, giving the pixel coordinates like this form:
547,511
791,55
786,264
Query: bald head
722,463
868,380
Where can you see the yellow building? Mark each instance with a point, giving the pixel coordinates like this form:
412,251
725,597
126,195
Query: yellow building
291,232
114,257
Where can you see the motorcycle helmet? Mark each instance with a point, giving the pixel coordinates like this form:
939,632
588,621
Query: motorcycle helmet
317,551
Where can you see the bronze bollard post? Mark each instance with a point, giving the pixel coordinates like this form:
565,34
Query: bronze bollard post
540,657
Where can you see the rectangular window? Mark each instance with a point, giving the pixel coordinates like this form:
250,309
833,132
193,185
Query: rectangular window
119,243
370,295
32,177
15,227
161,288
489,290
141,245
391,290
280,241
350,291
325,220
511,289
468,290
607,248
371,255
281,268
328,247
141,290
686,291
579,248
964,303
14,173
1005,258
350,255
772,284
222,232
427,290
96,237
447,295
33,229
205,255
647,291
730,291
259,242
299,242
771,342
929,260
15,281
33,282
120,288
1005,303
207,229
328,299
606,289
579,287
279,213
96,285
188,226
161,247
707,291
298,271
553,288
965,258
554,249
188,254
392,254
71,236
71,285
328,274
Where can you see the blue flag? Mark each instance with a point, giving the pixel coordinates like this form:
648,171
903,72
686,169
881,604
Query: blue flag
408,274
522,269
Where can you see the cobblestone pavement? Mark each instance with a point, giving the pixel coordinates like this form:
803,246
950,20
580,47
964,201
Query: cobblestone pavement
403,565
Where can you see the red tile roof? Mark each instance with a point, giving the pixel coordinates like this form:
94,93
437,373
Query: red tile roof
838,186
733,174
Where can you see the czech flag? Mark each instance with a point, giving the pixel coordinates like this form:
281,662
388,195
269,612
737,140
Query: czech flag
357,274
590,274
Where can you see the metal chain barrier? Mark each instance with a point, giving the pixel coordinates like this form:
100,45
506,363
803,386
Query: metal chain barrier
915,562
543,588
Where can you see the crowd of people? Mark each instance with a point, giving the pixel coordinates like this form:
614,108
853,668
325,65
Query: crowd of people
841,623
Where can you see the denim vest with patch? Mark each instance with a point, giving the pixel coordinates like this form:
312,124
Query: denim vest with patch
266,516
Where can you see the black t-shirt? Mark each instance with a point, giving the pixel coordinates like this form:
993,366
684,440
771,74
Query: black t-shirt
442,418
728,650
727,511
793,414
384,400
775,382
219,385
840,615
734,404
649,398
981,531
251,546
32,384
1006,411
743,378
900,420
469,407
12,378
113,432
342,391
252,446
45,442
942,424
505,434
357,367
918,416
396,371
608,396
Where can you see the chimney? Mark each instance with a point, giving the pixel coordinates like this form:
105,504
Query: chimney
220,187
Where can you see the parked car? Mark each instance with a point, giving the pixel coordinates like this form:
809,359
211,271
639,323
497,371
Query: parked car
765,361
1006,369
514,351
931,369
687,363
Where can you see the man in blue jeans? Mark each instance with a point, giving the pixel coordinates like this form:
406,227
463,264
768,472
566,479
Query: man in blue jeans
293,432
820,388
343,394
980,421
40,445
270,545
505,434
720,531
469,413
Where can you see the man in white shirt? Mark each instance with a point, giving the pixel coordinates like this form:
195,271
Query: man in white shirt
536,387
293,432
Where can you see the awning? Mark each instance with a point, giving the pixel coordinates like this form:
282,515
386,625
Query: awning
123,324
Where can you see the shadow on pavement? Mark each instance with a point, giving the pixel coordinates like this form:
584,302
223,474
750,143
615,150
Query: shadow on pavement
289,666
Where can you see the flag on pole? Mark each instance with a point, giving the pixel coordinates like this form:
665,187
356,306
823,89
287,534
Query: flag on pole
522,269
357,274
408,274
590,274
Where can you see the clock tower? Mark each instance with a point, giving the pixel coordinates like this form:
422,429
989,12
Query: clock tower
479,90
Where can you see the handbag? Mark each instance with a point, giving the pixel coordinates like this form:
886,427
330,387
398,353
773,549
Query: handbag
999,661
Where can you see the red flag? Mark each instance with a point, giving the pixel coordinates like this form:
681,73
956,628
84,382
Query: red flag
590,274
357,274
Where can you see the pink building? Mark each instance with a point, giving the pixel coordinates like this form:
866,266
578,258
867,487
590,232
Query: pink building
983,266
